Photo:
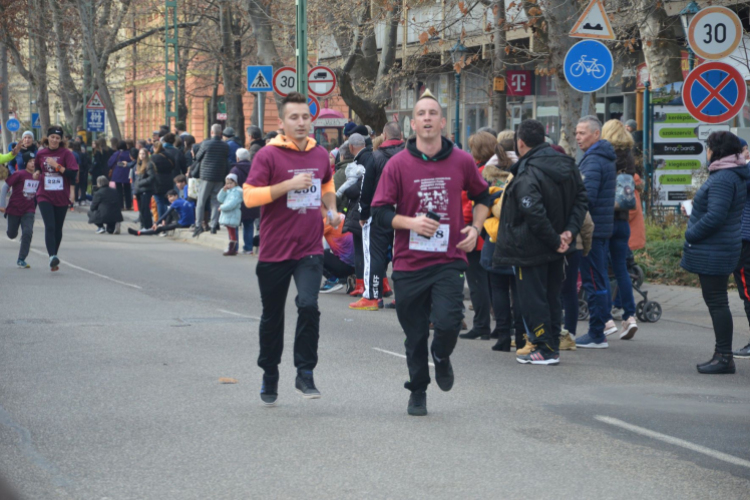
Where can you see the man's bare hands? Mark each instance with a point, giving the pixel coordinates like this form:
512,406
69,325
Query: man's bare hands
470,242
424,226
300,182
567,237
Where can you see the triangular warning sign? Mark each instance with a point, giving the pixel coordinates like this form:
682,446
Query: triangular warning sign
260,82
95,102
593,23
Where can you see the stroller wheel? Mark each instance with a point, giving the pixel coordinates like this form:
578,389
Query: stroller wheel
652,312
636,275
639,311
583,310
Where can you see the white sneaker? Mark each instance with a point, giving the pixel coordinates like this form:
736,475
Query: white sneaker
629,327
610,328
617,313
100,231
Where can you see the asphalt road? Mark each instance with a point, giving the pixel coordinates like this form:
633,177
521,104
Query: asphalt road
109,389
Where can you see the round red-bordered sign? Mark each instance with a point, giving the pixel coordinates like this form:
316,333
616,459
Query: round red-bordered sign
714,92
285,81
321,81
714,32
314,105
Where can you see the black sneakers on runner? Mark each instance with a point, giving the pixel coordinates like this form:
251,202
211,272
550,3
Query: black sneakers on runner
417,404
269,390
743,353
443,373
541,355
305,385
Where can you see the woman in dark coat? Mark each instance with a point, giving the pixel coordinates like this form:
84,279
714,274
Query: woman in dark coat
145,185
242,169
102,154
106,208
120,174
163,167
713,240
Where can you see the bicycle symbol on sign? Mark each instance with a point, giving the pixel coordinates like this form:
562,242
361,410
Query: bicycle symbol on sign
590,67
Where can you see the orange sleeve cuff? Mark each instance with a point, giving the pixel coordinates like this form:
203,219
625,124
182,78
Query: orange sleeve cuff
328,187
256,196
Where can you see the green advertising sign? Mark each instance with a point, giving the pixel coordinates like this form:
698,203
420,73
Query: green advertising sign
681,165
677,133
680,118
676,180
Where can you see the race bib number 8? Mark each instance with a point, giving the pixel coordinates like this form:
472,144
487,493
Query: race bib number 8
438,242
305,198
53,183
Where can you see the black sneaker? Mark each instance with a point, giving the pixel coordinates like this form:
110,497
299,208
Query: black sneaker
743,353
719,364
305,385
540,356
269,390
472,335
417,404
443,373
391,305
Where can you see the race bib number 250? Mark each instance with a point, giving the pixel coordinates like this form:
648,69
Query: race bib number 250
304,198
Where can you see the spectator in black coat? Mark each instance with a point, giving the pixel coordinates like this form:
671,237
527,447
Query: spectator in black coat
212,170
106,208
102,152
163,168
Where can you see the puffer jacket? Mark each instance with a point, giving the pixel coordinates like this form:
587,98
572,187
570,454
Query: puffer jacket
746,214
242,169
212,156
105,207
146,183
713,240
545,198
600,178
231,201
163,169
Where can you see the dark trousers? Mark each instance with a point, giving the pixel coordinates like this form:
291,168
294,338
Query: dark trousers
376,242
715,295
82,185
437,293
742,277
162,205
26,223
595,282
248,232
335,268
359,256
539,295
479,292
126,194
144,210
110,228
570,291
273,280
54,218
619,251
160,229
507,307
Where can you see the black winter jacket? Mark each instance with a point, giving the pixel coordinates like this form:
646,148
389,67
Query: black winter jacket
212,157
146,183
178,158
545,198
163,169
106,207
242,169
372,177
600,178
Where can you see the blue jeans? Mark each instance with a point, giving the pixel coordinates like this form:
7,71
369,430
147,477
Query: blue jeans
570,291
162,204
248,231
619,250
596,284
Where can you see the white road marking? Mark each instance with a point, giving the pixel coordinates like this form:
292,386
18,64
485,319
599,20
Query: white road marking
674,441
90,272
399,355
238,314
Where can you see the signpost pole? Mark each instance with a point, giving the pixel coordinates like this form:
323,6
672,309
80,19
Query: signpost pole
302,47
585,106
261,98
647,143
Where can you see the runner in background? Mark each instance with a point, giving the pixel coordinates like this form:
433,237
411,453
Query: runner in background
21,206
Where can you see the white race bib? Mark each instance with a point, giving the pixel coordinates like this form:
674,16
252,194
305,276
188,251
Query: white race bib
30,186
305,198
53,182
438,242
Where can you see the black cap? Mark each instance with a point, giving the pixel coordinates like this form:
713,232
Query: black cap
55,130
28,155
362,130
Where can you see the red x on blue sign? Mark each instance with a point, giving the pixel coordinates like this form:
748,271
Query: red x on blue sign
714,92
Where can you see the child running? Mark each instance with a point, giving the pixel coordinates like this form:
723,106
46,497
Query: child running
230,198
21,206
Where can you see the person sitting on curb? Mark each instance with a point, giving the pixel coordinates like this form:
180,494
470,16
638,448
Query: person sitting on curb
183,209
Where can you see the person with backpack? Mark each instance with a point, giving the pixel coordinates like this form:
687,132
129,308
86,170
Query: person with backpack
615,133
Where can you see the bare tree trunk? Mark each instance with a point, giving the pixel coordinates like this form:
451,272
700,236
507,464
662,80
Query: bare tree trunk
263,31
68,92
231,50
4,103
499,99
40,66
662,54
214,104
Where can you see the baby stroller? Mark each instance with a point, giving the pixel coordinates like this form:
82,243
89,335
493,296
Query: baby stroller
647,311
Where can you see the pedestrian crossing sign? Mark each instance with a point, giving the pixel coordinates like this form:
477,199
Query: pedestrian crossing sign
35,121
259,78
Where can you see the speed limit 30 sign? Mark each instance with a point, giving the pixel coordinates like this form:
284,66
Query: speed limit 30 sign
714,32
285,81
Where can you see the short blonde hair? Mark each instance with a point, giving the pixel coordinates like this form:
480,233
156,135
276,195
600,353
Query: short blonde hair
507,139
615,133
482,146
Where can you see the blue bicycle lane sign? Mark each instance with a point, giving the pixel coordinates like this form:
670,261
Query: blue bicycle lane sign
588,66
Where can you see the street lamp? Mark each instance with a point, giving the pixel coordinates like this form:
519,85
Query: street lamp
458,52
686,15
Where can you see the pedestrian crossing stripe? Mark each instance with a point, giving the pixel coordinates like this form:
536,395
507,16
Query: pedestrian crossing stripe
259,82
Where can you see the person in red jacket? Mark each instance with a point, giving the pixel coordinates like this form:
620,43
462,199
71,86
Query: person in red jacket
482,146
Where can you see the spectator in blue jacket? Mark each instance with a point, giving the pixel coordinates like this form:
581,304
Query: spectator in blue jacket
713,240
600,178
180,215
742,273
231,140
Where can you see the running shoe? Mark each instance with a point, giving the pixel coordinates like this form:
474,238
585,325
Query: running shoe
100,231
443,373
629,327
248,252
54,263
22,264
331,286
588,342
391,305
305,385
417,404
610,328
269,390
743,353
617,313
364,304
540,356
